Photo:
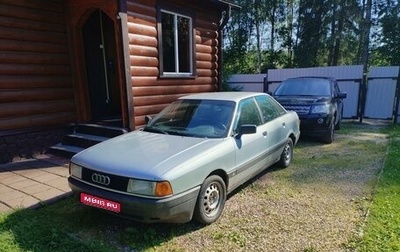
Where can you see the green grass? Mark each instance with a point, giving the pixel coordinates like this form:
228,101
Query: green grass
50,228
382,230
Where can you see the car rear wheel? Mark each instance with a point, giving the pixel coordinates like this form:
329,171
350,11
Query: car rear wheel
211,200
287,154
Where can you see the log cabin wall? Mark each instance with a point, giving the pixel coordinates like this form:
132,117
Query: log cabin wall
150,92
36,94
35,75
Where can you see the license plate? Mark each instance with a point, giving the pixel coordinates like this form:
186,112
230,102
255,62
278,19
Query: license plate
100,203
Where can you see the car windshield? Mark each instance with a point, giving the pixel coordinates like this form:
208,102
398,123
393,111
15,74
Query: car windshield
197,118
304,87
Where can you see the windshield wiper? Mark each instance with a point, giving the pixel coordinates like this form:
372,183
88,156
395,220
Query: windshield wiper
154,129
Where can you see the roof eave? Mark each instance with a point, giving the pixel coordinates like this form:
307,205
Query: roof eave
226,3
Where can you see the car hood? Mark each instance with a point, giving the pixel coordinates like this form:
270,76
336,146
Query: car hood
301,100
142,154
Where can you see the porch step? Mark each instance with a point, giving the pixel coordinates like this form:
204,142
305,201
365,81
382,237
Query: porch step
100,130
83,136
82,140
63,150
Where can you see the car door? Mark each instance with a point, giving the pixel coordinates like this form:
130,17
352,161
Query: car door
251,149
275,124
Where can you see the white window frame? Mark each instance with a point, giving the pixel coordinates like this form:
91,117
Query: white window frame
176,46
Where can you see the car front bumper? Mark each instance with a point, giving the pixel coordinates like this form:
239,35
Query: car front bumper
175,209
316,125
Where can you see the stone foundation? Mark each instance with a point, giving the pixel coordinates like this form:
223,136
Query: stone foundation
16,146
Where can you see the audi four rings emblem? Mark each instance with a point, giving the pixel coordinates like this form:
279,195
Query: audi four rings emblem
101,179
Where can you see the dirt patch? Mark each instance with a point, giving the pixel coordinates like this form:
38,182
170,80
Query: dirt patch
366,136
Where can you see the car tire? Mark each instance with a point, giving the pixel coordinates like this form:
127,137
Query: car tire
329,135
211,200
338,124
287,154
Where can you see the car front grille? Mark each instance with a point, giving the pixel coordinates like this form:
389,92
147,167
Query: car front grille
301,110
105,180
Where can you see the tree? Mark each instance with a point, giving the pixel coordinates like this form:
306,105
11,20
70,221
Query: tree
311,18
268,34
389,16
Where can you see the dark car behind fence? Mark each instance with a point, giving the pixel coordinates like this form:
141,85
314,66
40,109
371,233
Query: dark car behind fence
374,96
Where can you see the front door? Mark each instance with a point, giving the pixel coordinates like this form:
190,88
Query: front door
101,71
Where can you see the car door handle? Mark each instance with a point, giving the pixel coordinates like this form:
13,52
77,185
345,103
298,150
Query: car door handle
265,133
284,125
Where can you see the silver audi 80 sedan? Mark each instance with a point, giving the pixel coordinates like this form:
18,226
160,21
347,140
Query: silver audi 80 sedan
186,160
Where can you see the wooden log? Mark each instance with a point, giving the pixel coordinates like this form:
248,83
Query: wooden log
29,46
145,8
146,51
34,13
28,82
144,30
36,107
206,33
206,49
144,71
31,35
140,61
54,6
149,110
206,23
206,41
36,95
142,40
154,99
10,123
206,57
13,22
15,69
207,73
178,89
147,81
141,19
206,65
34,58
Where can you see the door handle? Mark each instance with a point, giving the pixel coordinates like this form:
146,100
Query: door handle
284,125
265,133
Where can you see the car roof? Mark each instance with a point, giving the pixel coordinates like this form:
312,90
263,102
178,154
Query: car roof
225,96
313,77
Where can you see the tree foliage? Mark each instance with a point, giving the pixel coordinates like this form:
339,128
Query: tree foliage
304,33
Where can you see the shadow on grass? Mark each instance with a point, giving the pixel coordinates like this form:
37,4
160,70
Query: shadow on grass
69,226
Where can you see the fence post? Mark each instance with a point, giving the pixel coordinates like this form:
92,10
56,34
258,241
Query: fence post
363,94
397,108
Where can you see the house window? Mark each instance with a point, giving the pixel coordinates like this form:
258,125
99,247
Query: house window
176,44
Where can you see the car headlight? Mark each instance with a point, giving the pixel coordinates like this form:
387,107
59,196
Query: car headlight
149,188
320,109
75,170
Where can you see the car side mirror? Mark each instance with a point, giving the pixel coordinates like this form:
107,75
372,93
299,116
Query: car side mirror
246,129
147,119
341,95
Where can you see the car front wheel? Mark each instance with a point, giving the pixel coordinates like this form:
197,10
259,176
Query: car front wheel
211,200
329,135
287,154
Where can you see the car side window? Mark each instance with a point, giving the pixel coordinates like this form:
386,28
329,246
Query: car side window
248,113
269,108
